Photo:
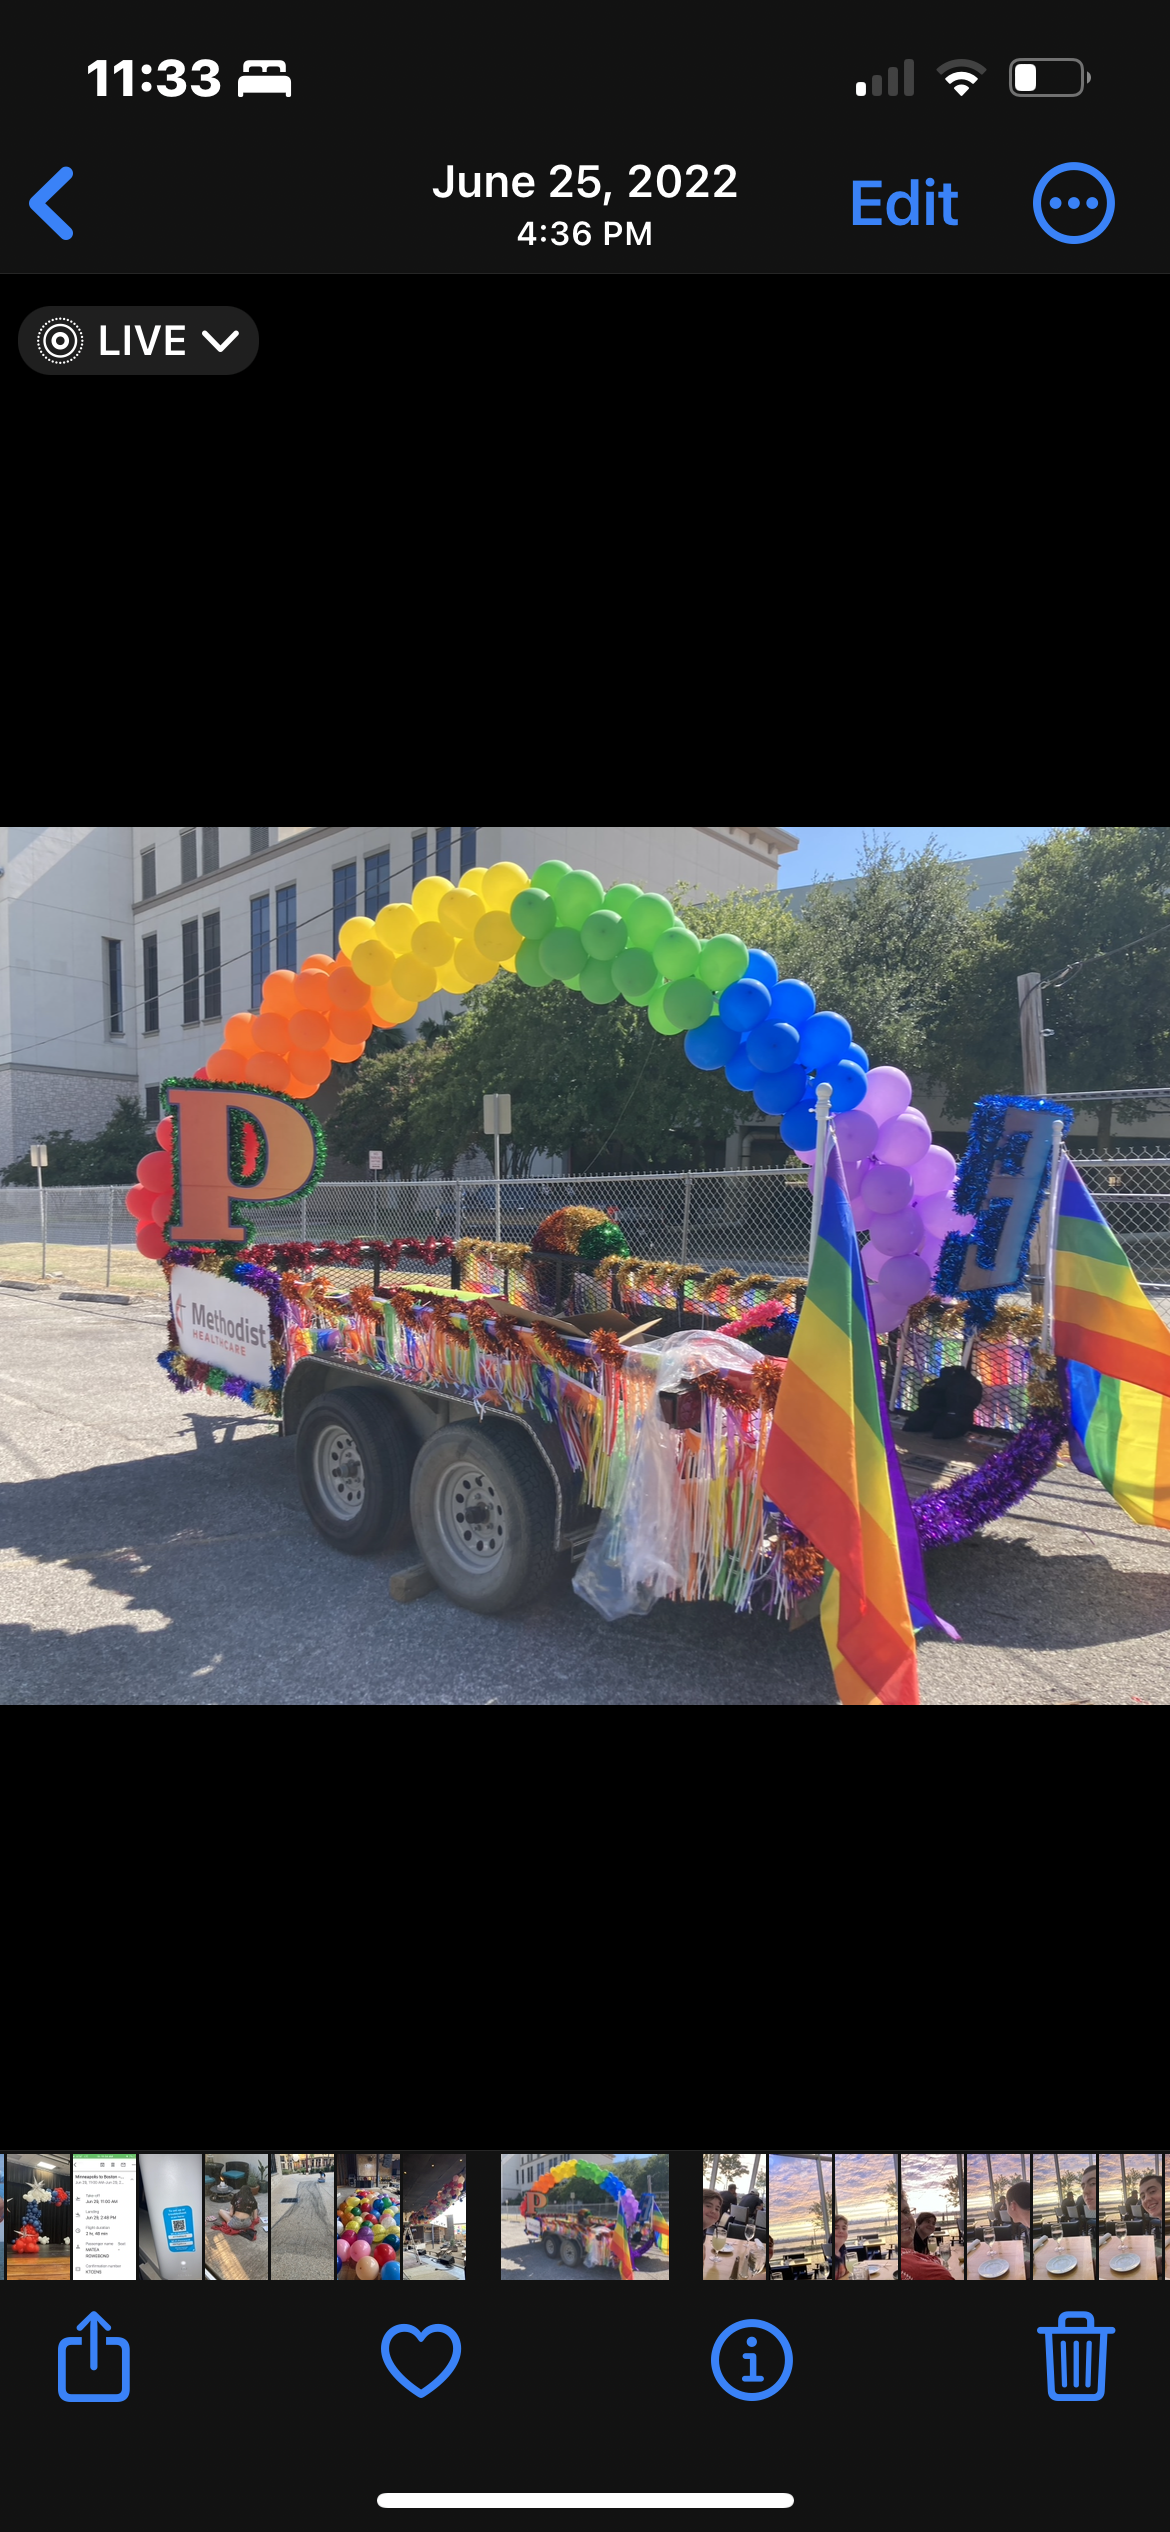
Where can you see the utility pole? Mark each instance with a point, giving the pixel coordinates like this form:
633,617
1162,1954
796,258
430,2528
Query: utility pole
39,1157
1032,1036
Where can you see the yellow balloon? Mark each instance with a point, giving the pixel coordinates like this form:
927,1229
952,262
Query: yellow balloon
389,1009
373,960
496,936
510,964
397,925
358,928
432,944
413,979
460,911
449,980
472,966
474,879
503,882
425,897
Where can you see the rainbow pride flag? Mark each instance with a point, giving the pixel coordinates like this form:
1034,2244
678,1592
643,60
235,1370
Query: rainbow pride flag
1118,1355
826,1465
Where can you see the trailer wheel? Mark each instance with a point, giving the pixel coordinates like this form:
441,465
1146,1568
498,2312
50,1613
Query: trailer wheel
552,2244
353,1468
570,2252
483,1514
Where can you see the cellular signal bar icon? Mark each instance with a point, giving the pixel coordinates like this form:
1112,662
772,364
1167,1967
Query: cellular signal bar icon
875,85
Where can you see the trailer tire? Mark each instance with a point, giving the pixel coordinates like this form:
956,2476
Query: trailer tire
552,2244
570,2252
353,1469
483,1512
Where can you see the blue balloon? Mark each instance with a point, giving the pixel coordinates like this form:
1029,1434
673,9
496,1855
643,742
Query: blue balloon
857,1055
799,1128
773,1048
824,1040
763,968
771,1092
741,1072
744,1004
790,1088
709,1046
848,1084
793,1001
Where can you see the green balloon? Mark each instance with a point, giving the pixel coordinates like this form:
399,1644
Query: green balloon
722,961
530,966
562,953
677,952
604,934
572,984
577,897
619,900
549,876
657,1016
533,913
635,974
646,921
688,1002
597,982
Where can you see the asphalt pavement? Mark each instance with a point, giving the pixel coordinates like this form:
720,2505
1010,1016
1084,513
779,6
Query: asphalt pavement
304,2231
154,1551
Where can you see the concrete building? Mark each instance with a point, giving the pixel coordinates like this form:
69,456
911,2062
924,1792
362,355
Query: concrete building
123,949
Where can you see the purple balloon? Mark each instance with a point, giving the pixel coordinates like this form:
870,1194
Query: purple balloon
745,1005
772,1047
863,1219
904,1280
935,1171
856,1135
741,1072
887,1092
931,1250
873,1259
904,1139
901,1232
888,1188
793,1001
885,1314
939,1215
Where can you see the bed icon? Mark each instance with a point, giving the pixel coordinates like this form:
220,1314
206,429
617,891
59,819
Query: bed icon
263,84
1074,2334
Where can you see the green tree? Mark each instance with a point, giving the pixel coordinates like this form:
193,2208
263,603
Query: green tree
110,1159
884,951
1078,892
377,1110
730,2167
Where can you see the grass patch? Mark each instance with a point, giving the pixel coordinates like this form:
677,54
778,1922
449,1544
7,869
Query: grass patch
83,1268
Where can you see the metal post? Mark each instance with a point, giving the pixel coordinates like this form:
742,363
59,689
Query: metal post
1059,1159
686,1228
109,1231
304,1217
824,1094
458,1209
41,1193
1032,1035
497,1139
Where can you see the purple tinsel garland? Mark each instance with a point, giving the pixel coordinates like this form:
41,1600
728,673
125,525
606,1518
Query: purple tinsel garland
955,1512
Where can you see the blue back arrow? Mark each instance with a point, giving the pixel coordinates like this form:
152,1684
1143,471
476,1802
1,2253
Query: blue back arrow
39,202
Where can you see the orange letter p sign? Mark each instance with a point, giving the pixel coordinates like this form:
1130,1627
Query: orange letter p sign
208,1194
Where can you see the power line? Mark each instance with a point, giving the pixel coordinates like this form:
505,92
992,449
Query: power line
1045,984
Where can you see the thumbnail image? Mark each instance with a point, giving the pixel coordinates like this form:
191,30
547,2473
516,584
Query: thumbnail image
865,2219
735,2226
931,2217
434,2213
1064,2218
800,2216
368,2233
585,2215
169,2244
37,2210
235,2217
1131,2217
999,2217
105,2217
300,2201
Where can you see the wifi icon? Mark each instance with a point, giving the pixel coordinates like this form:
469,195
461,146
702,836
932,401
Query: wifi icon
960,76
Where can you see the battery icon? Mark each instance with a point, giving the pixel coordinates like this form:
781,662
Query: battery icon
1051,75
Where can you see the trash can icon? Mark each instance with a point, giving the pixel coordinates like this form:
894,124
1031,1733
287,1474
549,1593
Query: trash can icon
1082,2354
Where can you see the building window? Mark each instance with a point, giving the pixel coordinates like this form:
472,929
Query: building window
377,882
259,836
114,985
261,948
418,847
442,852
211,967
150,985
148,886
191,971
467,836
286,927
344,898
210,850
152,1107
187,868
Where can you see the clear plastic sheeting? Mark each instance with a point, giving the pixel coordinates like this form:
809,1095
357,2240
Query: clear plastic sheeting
638,1553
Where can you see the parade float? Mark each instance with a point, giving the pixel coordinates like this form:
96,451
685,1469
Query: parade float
513,1404
575,2236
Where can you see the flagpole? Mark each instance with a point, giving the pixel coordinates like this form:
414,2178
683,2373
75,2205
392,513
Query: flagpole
1059,1163
824,1094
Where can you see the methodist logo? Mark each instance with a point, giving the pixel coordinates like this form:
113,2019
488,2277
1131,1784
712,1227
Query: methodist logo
903,208
222,1323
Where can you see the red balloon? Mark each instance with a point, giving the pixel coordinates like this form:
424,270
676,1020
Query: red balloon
155,1171
164,1132
140,1202
162,1209
151,1240
202,1074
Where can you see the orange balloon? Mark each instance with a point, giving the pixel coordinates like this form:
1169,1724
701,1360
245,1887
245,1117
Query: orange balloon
238,1030
352,1028
346,991
228,1064
320,958
299,1088
269,1072
270,1033
308,1028
339,1053
312,990
280,990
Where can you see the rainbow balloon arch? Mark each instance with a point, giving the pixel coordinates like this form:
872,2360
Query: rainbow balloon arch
729,1003
628,2211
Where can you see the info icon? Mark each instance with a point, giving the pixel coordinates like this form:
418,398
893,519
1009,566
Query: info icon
60,340
752,2360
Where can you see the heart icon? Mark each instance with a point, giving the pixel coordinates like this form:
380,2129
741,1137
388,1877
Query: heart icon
437,2329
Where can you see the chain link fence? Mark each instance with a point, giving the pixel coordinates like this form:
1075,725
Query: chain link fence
1131,1179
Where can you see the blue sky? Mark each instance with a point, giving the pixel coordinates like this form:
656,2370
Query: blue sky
830,852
